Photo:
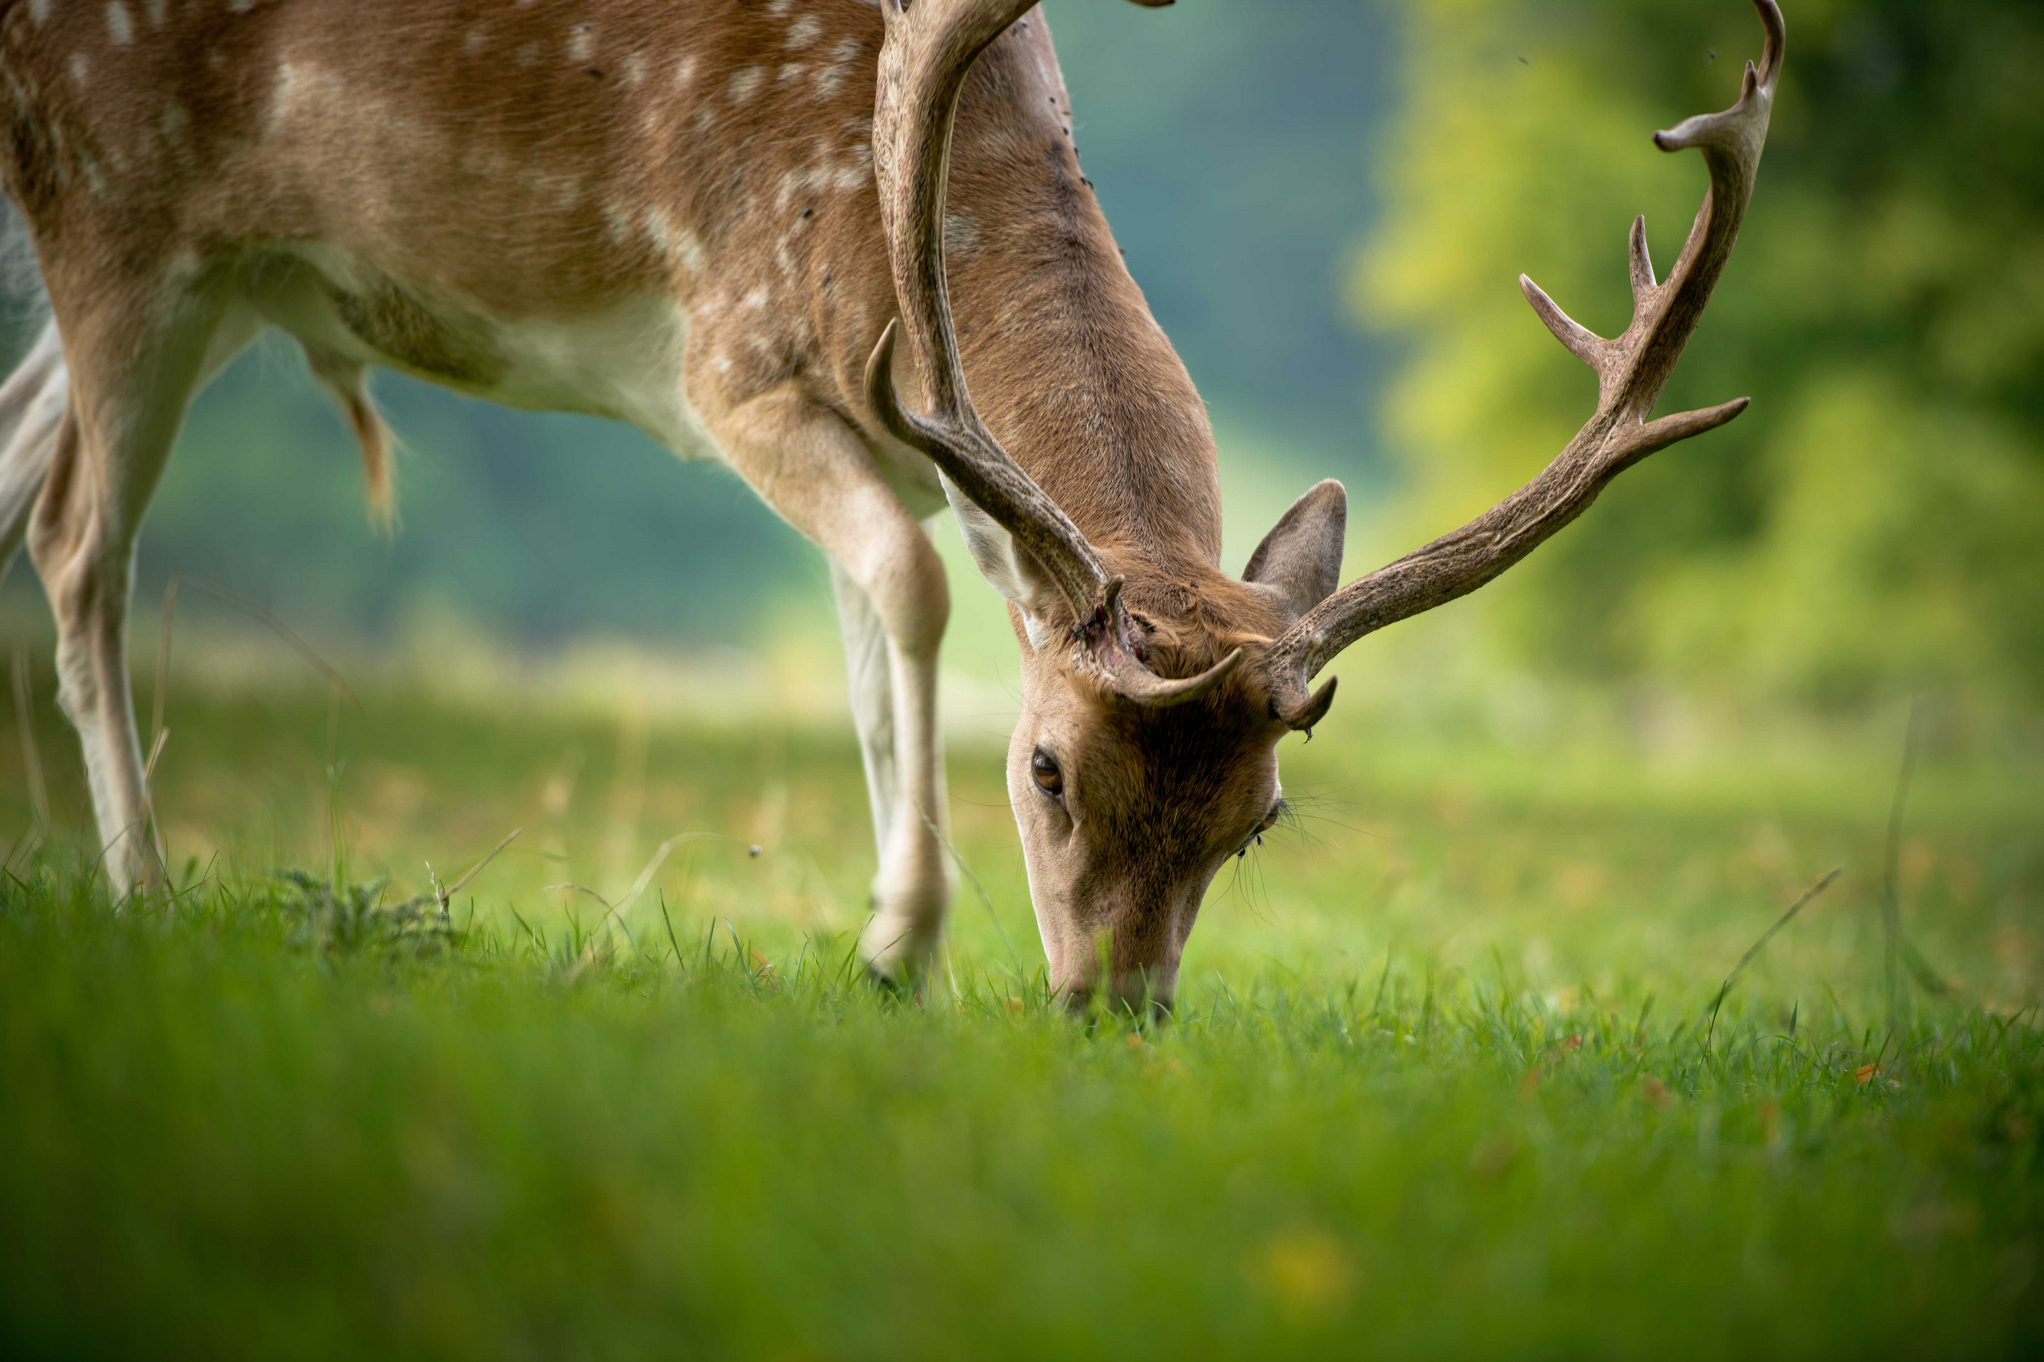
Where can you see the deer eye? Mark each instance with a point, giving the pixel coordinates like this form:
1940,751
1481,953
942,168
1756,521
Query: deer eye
1270,819
1049,779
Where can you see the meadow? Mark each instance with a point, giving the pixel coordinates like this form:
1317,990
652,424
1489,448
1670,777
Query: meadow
1445,1078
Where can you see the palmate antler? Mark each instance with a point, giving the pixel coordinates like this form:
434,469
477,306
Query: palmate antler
1631,370
930,46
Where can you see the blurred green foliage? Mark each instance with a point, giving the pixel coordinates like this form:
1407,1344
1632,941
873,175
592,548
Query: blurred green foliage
543,527
1873,522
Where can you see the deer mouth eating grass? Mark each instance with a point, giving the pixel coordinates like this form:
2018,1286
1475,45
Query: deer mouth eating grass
716,221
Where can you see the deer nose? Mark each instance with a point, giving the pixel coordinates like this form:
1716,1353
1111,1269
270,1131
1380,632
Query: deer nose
1139,994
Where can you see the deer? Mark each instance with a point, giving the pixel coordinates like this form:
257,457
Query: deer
844,246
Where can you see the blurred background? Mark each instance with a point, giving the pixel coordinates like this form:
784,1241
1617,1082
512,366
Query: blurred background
1328,203
1695,697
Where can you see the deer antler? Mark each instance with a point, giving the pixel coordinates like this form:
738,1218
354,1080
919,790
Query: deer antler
1631,371
923,63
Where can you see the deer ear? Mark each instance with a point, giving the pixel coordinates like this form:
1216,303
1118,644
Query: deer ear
1299,561
1007,566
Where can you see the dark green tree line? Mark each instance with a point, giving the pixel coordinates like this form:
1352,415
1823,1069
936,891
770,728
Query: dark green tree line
1876,520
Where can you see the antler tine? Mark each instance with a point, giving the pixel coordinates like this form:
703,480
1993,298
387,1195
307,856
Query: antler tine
929,48
1642,263
1631,371
1585,344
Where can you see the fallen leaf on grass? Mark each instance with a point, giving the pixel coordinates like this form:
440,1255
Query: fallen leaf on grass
1864,1074
1655,1093
1309,1272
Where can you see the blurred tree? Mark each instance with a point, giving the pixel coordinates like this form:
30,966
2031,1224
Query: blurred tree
1230,144
1877,518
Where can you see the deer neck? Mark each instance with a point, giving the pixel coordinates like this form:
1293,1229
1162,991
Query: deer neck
1064,361
1078,382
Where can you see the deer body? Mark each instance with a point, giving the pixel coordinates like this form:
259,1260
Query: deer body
630,208
706,218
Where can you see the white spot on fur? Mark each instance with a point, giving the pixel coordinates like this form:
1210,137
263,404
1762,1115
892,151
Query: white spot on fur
241,6
803,32
779,8
790,71
634,69
685,72
563,191
961,235
157,10
119,26
38,10
661,230
280,103
758,299
617,222
674,243
475,42
582,42
813,179
173,122
832,77
81,70
689,250
94,176
745,83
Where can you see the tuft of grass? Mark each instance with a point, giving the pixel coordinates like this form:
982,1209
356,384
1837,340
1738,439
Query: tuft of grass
280,1116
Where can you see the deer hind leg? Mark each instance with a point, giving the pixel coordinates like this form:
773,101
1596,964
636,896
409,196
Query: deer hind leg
894,603
134,362
32,403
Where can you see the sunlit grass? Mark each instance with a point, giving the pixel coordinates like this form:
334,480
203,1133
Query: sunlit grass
1443,1080
258,1127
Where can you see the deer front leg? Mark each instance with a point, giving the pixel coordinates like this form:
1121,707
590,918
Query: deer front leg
134,360
869,683
894,603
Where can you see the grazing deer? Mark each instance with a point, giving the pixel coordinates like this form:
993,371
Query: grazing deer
711,218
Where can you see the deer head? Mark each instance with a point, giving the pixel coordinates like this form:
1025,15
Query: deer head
1156,689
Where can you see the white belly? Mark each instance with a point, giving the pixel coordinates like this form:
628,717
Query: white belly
625,363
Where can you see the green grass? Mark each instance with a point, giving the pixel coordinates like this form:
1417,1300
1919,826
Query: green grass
1439,1085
